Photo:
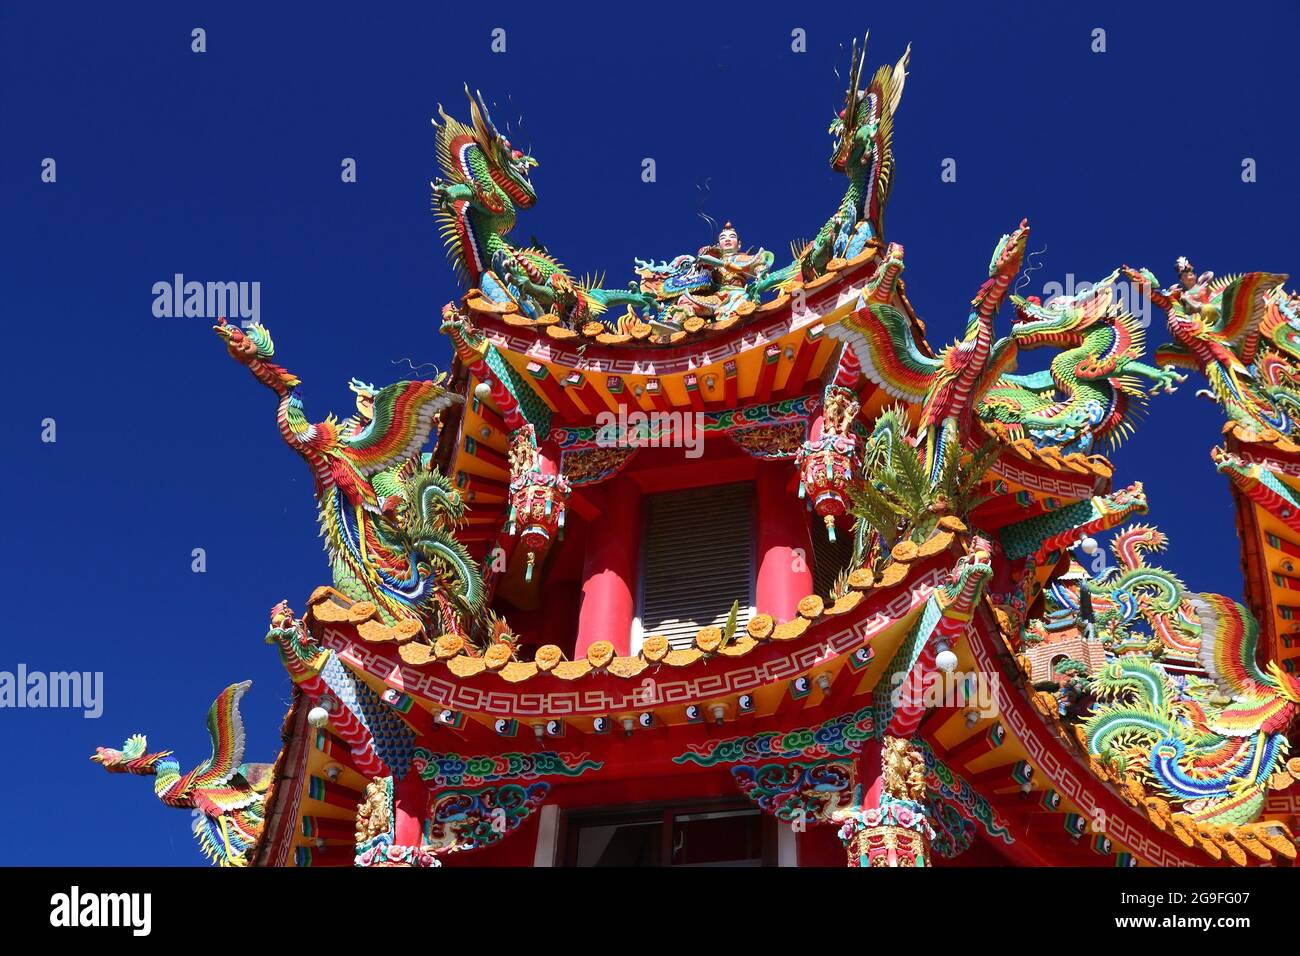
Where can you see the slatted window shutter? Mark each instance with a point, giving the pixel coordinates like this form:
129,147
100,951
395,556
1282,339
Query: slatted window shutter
697,558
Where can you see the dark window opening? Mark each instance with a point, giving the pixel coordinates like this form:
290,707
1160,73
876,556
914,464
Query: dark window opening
713,835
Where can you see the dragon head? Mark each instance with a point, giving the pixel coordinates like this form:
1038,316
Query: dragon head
1122,502
508,166
1063,320
248,344
1145,281
854,127
1007,258
862,126
1130,542
131,758
365,393
1010,252
282,615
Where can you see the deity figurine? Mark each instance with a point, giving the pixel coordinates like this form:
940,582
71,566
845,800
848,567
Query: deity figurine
732,269
1195,288
712,284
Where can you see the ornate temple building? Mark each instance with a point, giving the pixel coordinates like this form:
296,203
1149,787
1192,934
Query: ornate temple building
737,565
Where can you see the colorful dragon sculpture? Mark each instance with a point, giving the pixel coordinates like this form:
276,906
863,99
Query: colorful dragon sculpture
863,152
947,387
486,178
1241,332
387,519
225,792
1211,753
1089,391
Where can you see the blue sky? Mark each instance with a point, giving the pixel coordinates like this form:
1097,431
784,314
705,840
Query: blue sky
225,166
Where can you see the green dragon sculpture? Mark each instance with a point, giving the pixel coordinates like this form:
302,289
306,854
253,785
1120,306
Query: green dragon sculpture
486,181
1089,391
1207,749
388,520
1127,594
863,152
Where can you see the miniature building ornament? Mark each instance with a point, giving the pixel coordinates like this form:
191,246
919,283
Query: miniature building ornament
831,576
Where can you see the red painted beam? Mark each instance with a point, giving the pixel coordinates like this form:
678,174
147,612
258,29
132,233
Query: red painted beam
730,384
489,414
693,394
767,375
554,392
654,391
329,828
335,794
617,390
486,453
999,776
934,718
579,386
803,360
1281,544
477,488
978,745
334,748
842,689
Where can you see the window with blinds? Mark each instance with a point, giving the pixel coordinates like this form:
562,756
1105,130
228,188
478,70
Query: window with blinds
697,558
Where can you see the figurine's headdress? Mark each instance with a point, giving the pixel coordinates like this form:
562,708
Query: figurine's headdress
1183,264
361,388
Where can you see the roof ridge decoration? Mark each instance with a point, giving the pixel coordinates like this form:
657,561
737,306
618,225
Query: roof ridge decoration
387,516
484,181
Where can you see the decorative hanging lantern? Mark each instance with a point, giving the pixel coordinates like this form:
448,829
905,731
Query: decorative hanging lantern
537,501
537,504
829,465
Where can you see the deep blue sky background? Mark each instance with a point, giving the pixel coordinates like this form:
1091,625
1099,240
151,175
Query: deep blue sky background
225,166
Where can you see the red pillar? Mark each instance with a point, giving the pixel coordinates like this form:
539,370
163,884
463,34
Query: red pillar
784,548
409,799
609,570
548,457
870,773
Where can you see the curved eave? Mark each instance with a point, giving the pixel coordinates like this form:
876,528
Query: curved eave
1041,777
763,667
1270,546
284,796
